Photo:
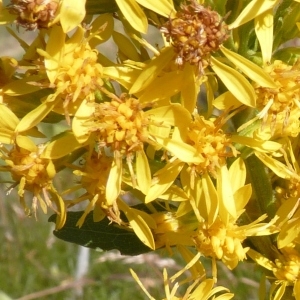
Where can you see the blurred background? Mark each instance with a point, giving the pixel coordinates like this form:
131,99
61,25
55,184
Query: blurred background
36,265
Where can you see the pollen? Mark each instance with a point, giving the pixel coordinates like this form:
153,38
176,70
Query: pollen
280,106
195,33
34,14
211,143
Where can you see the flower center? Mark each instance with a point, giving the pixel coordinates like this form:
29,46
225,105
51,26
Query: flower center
120,124
195,32
33,14
212,143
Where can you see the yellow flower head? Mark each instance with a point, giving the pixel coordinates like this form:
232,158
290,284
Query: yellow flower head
34,174
280,106
221,241
195,32
72,68
95,173
120,124
28,166
287,265
211,143
33,14
286,270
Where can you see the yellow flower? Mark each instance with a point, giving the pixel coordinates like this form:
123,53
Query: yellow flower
225,241
280,106
72,68
195,32
200,289
33,174
136,17
285,269
202,146
94,174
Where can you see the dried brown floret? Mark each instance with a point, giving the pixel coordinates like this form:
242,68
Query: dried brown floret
195,32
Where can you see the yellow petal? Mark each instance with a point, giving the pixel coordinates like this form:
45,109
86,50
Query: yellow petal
276,166
211,201
83,113
138,224
259,145
35,116
252,70
173,115
226,101
190,88
235,82
242,196
113,185
71,14
6,136
227,201
183,151
64,145
124,75
8,120
26,143
54,49
237,173
133,14
264,32
288,232
152,70
260,259
163,87
253,10
165,179
162,7
143,173
61,216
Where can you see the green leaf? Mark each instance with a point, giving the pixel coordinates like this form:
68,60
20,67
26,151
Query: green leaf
103,235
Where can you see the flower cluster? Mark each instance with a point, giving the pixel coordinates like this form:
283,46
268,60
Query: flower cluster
198,126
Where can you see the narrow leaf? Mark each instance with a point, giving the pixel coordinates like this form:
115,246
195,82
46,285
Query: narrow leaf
103,235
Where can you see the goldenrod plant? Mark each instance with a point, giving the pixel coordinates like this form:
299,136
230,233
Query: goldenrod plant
189,145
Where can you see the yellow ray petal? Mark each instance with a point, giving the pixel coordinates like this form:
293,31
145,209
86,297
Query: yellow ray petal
264,32
152,70
71,14
113,185
162,7
236,83
253,10
252,70
133,14
143,173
